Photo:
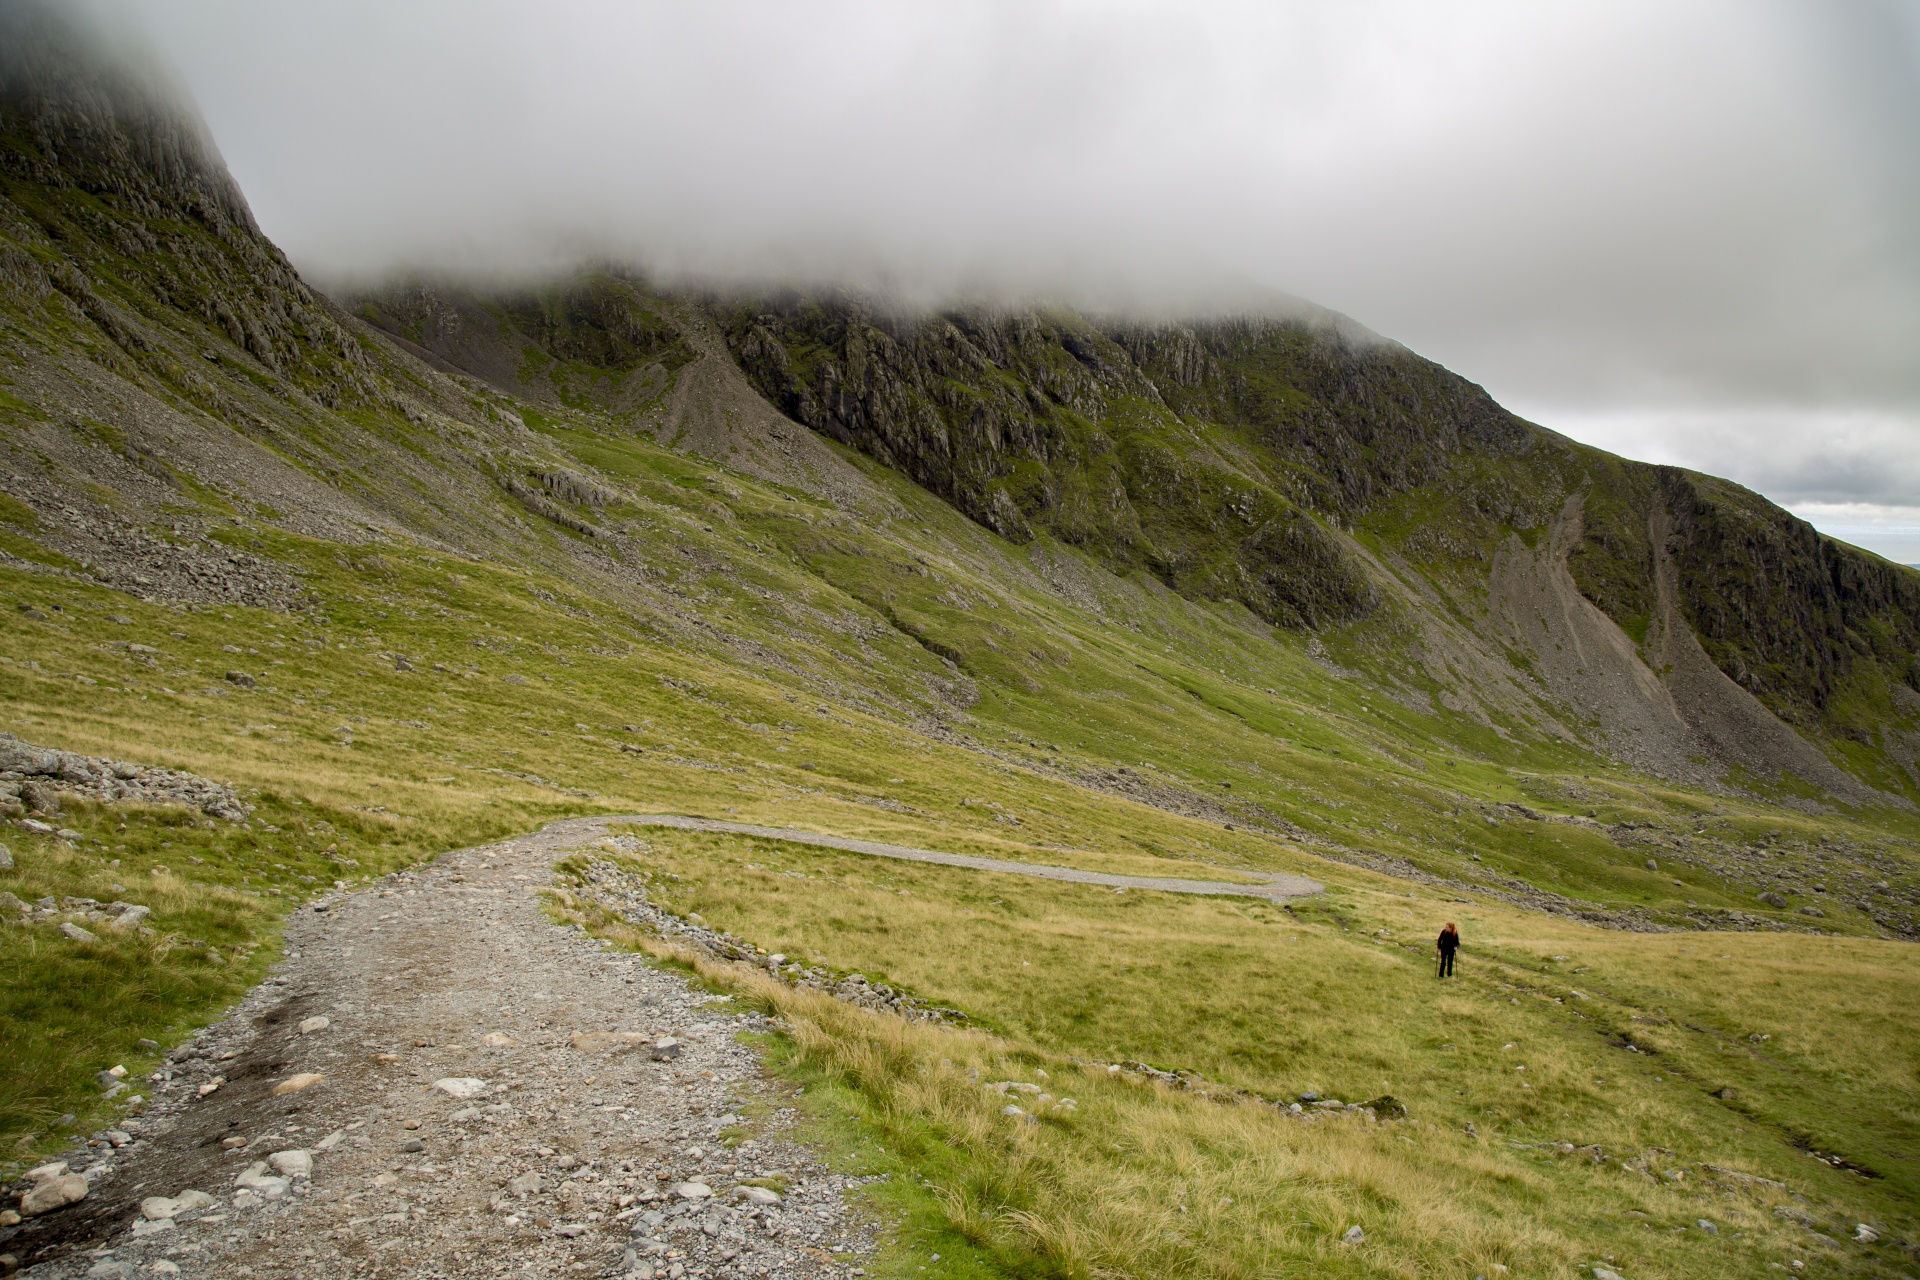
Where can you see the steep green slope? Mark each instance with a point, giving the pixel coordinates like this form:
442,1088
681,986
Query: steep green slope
1240,461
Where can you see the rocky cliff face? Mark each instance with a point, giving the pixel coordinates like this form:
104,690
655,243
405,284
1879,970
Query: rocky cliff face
113,199
1105,435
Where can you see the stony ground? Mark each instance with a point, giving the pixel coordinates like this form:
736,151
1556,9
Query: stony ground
495,1099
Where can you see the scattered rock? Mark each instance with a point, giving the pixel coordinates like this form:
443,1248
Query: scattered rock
1354,1235
74,931
6,860
1606,1273
295,1083
757,1195
692,1190
1864,1233
240,678
319,1023
527,1184
499,1040
49,772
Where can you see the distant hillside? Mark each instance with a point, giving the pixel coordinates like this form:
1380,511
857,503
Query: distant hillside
1318,478
1325,481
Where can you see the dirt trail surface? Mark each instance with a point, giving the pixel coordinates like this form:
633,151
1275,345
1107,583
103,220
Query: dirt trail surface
499,1096
1277,887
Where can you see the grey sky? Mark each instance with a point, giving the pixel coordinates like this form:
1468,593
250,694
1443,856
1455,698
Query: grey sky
1689,231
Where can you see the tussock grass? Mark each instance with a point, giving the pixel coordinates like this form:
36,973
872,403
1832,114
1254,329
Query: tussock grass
1140,1180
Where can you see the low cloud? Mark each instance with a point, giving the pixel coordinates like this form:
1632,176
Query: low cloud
1594,209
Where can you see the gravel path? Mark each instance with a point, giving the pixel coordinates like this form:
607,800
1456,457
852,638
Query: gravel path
572,1156
489,1094
1274,886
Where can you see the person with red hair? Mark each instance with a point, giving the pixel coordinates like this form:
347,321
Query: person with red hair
1448,944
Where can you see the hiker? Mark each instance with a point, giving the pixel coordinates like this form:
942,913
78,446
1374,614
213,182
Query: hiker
1448,944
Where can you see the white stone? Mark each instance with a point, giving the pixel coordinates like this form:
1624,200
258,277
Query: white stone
1354,1235
48,1194
692,1190
296,1163
256,1178
757,1195
131,918
318,1023
461,1087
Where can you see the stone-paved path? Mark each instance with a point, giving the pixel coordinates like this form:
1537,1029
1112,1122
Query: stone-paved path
570,1157
1275,886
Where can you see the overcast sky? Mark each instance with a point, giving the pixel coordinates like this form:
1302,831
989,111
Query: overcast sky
1689,232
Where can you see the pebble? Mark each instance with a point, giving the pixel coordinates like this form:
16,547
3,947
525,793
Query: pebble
295,1083
1354,1235
310,1025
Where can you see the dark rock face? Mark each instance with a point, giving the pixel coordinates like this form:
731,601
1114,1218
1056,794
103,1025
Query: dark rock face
1031,421
107,180
1792,616
73,121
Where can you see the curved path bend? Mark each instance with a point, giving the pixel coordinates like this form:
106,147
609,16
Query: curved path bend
1273,886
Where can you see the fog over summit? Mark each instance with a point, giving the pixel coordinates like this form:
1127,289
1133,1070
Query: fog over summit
1688,231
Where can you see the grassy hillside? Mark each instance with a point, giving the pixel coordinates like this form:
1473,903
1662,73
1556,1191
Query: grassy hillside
1236,598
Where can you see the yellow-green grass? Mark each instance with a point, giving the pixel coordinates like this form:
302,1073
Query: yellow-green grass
429,758
1343,1001
1140,1180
